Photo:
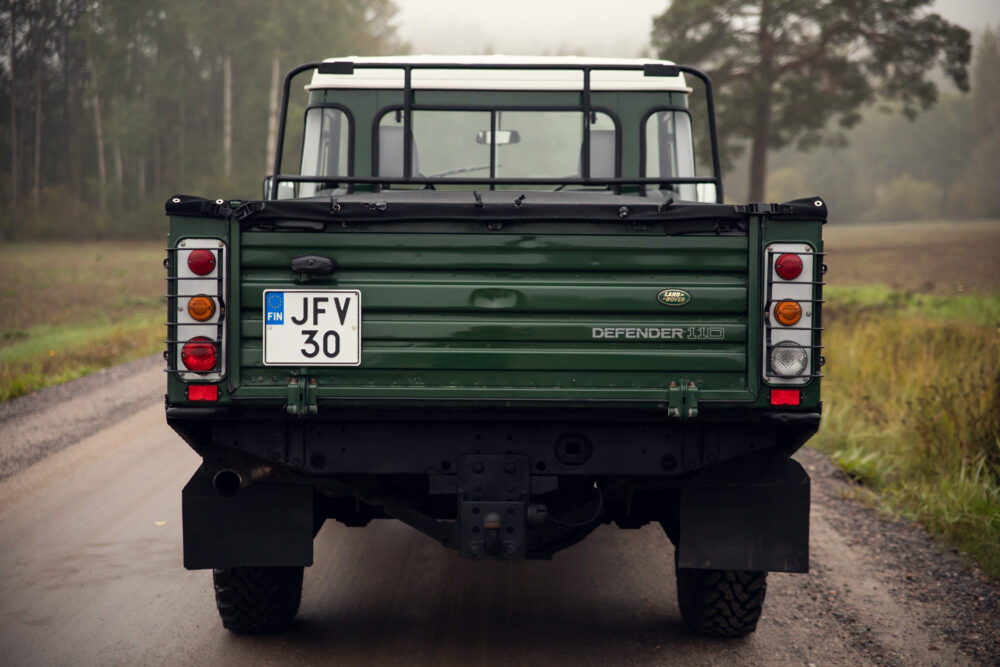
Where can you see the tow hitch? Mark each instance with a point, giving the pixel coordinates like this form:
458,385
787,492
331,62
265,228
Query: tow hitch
492,506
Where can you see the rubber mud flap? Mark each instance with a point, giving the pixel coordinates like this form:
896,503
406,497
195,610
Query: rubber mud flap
263,525
750,526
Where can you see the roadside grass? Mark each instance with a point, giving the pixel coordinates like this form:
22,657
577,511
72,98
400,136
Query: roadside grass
68,309
912,408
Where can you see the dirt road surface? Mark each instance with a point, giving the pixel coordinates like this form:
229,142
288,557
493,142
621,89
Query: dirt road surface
91,574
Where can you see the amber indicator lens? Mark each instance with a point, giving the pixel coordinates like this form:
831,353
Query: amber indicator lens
201,262
788,312
789,267
201,307
199,354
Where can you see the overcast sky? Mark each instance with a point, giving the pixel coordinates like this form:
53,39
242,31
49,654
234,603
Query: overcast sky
582,27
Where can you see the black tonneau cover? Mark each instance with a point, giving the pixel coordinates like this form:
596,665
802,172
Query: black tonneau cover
493,206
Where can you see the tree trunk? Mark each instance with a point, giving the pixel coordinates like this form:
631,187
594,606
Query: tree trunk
102,170
272,113
140,186
179,180
761,134
227,117
157,166
119,175
758,150
14,180
36,186
70,170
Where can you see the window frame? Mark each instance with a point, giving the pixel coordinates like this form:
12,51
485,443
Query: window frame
350,137
643,157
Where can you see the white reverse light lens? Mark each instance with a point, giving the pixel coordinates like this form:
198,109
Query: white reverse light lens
788,359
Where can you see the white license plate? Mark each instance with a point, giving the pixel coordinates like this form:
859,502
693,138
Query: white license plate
312,328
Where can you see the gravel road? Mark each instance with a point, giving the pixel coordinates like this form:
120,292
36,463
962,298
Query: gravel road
90,573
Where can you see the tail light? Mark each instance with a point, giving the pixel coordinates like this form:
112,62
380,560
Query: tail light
792,298
203,392
200,354
201,261
201,307
786,397
197,322
788,359
788,312
788,266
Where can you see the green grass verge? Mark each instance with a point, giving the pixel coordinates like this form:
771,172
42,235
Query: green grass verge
911,408
51,354
74,308
879,300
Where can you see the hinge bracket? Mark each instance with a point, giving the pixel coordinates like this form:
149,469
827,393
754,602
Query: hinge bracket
302,393
683,399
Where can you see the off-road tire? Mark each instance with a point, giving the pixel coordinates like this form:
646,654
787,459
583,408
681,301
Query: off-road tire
721,603
257,600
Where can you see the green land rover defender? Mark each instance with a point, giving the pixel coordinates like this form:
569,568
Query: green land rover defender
497,302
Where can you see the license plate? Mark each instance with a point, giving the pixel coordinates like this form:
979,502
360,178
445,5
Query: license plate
312,328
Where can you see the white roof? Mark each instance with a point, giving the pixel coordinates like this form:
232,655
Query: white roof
499,79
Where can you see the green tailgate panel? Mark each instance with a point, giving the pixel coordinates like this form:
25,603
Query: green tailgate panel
519,317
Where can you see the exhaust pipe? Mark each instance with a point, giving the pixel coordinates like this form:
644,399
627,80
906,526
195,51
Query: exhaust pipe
228,481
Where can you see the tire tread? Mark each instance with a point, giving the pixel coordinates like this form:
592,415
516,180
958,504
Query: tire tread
257,600
721,603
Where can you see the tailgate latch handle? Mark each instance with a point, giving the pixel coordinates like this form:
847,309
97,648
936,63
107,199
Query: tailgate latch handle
313,266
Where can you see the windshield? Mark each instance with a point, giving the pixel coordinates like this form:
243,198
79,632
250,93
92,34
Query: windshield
514,144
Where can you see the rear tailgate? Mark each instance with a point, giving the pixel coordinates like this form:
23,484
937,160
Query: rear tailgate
512,316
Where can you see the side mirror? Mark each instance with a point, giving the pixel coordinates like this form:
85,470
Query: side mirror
503,137
285,190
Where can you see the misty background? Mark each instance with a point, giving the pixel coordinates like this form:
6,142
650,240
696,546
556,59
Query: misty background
108,107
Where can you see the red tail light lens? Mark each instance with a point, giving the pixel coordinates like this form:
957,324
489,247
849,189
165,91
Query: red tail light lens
199,354
203,392
788,267
785,397
201,261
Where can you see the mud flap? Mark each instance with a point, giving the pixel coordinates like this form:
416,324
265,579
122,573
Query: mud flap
729,524
262,525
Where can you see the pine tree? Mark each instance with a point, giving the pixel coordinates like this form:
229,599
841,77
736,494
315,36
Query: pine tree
784,69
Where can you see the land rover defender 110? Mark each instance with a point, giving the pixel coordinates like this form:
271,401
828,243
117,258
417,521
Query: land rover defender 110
502,301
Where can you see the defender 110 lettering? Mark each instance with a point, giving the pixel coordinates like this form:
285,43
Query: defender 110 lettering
500,300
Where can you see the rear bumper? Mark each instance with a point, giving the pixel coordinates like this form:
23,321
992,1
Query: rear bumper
430,442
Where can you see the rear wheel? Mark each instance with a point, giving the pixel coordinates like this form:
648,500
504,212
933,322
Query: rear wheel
257,600
721,603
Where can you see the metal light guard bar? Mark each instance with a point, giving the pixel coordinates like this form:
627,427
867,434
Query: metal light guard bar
173,326
348,67
818,301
